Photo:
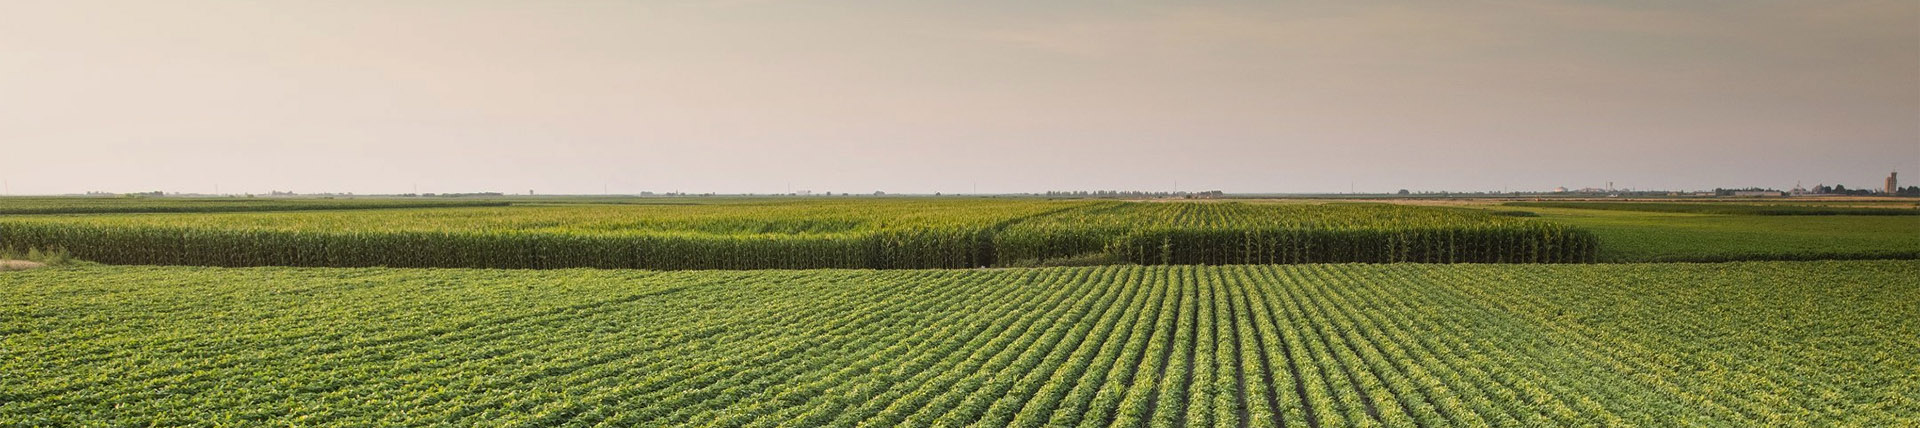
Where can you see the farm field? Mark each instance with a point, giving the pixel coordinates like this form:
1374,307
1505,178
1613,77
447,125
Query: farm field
1727,208
1635,236
93,205
1740,344
449,214
848,233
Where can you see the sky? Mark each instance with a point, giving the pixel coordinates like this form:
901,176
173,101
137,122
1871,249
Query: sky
935,96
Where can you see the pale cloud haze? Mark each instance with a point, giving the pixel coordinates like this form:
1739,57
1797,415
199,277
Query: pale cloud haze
754,96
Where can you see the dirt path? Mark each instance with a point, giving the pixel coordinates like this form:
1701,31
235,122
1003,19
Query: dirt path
7,265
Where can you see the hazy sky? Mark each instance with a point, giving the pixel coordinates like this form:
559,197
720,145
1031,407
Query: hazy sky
919,96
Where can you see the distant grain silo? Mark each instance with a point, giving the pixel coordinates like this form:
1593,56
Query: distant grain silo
1893,182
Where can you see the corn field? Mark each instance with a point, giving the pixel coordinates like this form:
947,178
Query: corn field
1236,233
888,234
99,205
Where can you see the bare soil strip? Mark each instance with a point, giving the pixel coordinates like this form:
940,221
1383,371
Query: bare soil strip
7,265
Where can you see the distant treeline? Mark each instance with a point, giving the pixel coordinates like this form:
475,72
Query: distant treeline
1720,208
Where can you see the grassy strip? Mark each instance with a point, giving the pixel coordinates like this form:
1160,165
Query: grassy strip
1721,208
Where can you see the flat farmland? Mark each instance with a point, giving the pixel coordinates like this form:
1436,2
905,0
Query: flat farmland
844,233
100,205
959,214
1642,236
1737,344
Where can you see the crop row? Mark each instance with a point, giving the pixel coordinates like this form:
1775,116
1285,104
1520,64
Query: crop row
1236,233
836,234
1747,344
100,205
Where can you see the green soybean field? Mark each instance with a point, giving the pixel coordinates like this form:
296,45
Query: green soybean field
1820,343
1642,236
1712,207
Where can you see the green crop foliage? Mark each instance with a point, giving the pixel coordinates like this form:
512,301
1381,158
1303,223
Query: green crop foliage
1237,233
774,234
1728,208
879,234
1826,343
98,205
1638,236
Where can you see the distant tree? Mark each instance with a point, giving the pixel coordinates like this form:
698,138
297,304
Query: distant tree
1404,191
